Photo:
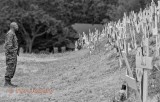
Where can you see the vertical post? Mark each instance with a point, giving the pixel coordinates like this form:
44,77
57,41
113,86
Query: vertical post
145,85
145,78
76,46
128,70
157,46
127,87
141,88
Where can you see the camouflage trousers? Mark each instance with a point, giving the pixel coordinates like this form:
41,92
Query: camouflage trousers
11,63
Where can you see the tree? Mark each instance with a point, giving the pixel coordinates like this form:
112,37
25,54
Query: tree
32,20
41,18
38,23
79,11
145,3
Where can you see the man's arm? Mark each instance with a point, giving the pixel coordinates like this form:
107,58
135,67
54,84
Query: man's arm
18,50
17,42
16,45
10,43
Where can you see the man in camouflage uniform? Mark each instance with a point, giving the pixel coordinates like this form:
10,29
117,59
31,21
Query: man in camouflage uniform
11,48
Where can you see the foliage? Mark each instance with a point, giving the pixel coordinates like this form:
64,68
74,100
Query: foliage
79,11
33,21
44,22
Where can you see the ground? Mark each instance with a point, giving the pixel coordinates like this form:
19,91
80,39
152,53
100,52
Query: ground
67,77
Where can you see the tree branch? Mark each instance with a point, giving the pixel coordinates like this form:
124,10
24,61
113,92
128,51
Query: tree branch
38,29
32,29
40,34
24,30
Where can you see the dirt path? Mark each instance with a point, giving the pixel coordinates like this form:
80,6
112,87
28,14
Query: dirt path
73,77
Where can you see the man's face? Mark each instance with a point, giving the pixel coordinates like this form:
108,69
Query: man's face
16,27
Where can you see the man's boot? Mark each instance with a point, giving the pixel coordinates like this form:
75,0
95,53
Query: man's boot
9,84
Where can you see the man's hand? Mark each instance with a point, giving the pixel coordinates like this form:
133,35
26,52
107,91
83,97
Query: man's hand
17,53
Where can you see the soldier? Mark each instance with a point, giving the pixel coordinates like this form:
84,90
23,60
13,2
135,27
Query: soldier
11,49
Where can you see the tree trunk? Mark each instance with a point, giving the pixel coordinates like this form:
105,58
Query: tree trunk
30,47
29,40
28,44
31,44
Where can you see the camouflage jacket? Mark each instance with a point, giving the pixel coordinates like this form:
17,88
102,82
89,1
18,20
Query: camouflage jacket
11,43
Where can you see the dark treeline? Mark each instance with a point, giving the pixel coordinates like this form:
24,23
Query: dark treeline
47,23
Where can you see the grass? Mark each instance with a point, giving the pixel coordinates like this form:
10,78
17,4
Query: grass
154,76
1,49
73,76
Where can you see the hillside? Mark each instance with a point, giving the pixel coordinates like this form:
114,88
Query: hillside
67,77
72,77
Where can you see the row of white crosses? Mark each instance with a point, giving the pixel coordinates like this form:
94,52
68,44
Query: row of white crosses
83,39
122,34
92,39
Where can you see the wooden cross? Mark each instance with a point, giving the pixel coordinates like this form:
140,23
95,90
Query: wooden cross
145,62
157,45
76,46
155,25
131,82
137,26
129,75
158,11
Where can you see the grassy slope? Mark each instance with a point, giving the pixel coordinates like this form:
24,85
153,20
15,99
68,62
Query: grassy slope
73,77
